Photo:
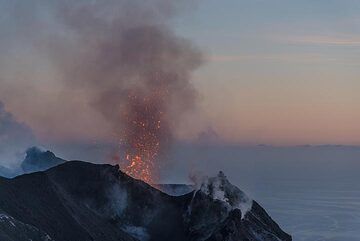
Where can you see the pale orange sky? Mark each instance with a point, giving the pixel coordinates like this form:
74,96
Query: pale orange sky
285,105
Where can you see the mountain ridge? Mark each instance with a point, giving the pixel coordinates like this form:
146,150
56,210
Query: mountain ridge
80,201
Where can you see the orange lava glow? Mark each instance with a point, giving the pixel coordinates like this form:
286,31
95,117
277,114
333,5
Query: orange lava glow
139,168
144,135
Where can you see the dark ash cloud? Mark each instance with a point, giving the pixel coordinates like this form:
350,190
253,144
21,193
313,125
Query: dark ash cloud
122,58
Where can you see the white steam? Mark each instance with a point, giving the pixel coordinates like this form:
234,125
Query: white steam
15,137
118,199
139,233
219,188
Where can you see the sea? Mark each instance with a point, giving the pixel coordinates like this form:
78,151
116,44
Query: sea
328,211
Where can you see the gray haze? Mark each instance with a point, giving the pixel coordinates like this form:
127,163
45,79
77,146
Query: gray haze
15,138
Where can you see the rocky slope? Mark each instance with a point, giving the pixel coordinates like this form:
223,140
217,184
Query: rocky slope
79,201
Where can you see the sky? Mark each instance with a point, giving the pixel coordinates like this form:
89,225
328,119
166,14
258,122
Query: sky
276,72
280,72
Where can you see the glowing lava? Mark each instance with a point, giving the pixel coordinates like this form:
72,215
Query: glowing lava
146,133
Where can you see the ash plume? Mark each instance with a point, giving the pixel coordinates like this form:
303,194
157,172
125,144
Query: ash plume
125,58
15,137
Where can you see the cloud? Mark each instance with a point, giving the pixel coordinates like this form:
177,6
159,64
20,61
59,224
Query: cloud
297,58
209,136
327,40
15,138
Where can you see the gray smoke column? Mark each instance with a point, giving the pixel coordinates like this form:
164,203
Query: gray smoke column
134,69
15,138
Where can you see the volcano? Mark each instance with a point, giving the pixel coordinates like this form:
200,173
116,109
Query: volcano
80,201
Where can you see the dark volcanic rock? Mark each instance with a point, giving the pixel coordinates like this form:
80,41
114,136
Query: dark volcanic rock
256,225
12,229
79,201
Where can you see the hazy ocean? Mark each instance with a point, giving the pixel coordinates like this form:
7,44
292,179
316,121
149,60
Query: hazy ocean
314,212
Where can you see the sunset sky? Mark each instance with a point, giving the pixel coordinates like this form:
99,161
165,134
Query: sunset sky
276,72
280,72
